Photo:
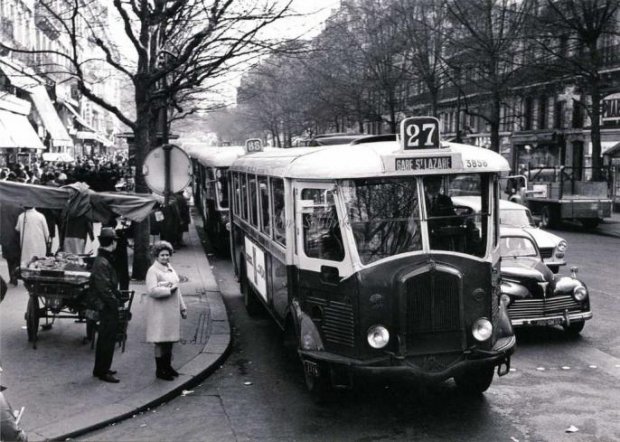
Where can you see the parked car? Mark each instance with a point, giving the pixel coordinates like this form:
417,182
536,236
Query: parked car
534,295
552,247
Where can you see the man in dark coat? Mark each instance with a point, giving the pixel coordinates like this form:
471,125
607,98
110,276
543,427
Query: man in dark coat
9,239
441,213
104,297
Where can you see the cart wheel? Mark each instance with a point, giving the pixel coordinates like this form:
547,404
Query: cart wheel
32,320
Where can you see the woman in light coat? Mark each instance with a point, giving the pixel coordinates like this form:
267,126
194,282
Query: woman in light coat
165,306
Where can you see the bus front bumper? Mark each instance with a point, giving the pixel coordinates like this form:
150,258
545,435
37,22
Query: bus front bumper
431,370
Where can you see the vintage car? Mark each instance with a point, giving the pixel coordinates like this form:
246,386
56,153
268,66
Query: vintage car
552,247
534,295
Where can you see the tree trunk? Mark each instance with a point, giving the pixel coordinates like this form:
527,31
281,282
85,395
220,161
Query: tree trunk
141,257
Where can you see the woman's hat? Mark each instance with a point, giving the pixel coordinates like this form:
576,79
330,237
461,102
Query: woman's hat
108,232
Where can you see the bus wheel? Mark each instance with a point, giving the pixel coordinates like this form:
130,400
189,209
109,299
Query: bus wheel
317,380
590,223
252,305
475,381
574,328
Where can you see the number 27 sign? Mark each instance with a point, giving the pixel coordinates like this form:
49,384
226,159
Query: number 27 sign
420,133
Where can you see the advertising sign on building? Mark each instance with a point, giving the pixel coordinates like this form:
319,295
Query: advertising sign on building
611,109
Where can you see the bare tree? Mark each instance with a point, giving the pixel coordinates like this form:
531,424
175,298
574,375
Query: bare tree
485,41
176,45
572,33
423,24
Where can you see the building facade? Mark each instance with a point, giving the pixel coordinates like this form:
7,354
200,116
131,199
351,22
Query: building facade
38,89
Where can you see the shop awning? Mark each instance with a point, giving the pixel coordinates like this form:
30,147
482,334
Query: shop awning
59,157
50,117
20,77
78,117
17,132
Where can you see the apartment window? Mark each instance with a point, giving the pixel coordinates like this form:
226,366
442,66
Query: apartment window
528,109
542,113
558,115
577,115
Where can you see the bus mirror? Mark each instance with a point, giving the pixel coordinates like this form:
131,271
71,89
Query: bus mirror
330,274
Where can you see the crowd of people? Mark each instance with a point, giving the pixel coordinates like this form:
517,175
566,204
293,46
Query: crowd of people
101,173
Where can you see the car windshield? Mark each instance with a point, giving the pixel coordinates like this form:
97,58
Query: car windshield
517,246
515,217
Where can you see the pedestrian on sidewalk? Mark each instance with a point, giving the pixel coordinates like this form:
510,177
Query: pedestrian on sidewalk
104,298
34,235
9,239
165,306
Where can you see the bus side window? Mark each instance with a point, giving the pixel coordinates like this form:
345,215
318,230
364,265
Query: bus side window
244,197
253,200
322,237
279,217
263,189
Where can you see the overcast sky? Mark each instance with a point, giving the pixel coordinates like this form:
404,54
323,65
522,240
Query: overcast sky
311,24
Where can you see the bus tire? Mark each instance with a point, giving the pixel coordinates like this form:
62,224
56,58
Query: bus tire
252,305
475,382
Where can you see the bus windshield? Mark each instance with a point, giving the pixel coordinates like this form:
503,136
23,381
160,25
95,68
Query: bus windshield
384,215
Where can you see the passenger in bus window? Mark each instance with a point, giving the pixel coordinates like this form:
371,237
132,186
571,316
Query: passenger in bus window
443,221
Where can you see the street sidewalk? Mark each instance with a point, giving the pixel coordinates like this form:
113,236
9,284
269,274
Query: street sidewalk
55,384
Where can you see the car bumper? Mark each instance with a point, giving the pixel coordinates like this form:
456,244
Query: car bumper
557,319
554,262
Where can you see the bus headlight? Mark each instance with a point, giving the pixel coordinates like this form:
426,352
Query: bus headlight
378,336
580,293
482,329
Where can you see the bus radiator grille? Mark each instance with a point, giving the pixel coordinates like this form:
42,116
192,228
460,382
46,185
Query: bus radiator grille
338,324
433,311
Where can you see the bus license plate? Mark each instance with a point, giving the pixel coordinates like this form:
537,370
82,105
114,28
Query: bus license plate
311,368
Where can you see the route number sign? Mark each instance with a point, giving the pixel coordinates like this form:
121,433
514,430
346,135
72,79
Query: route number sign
420,133
253,145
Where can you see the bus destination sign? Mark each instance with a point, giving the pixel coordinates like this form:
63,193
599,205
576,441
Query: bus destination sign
428,163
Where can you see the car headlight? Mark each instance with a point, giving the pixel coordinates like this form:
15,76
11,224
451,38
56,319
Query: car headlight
580,293
562,246
482,329
378,336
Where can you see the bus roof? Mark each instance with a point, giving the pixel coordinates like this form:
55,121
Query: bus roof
384,158
222,156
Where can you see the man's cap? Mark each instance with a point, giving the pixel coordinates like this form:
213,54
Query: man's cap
108,232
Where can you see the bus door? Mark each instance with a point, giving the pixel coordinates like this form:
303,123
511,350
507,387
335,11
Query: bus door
323,258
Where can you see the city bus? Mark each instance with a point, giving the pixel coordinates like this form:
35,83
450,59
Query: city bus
340,245
210,188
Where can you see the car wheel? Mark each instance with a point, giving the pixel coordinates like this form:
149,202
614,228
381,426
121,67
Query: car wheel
574,328
475,381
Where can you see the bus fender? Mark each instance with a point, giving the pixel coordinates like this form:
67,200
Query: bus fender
309,336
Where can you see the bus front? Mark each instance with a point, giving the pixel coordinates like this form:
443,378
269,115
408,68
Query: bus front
426,283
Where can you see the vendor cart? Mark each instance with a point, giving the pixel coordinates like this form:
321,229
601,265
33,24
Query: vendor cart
57,288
